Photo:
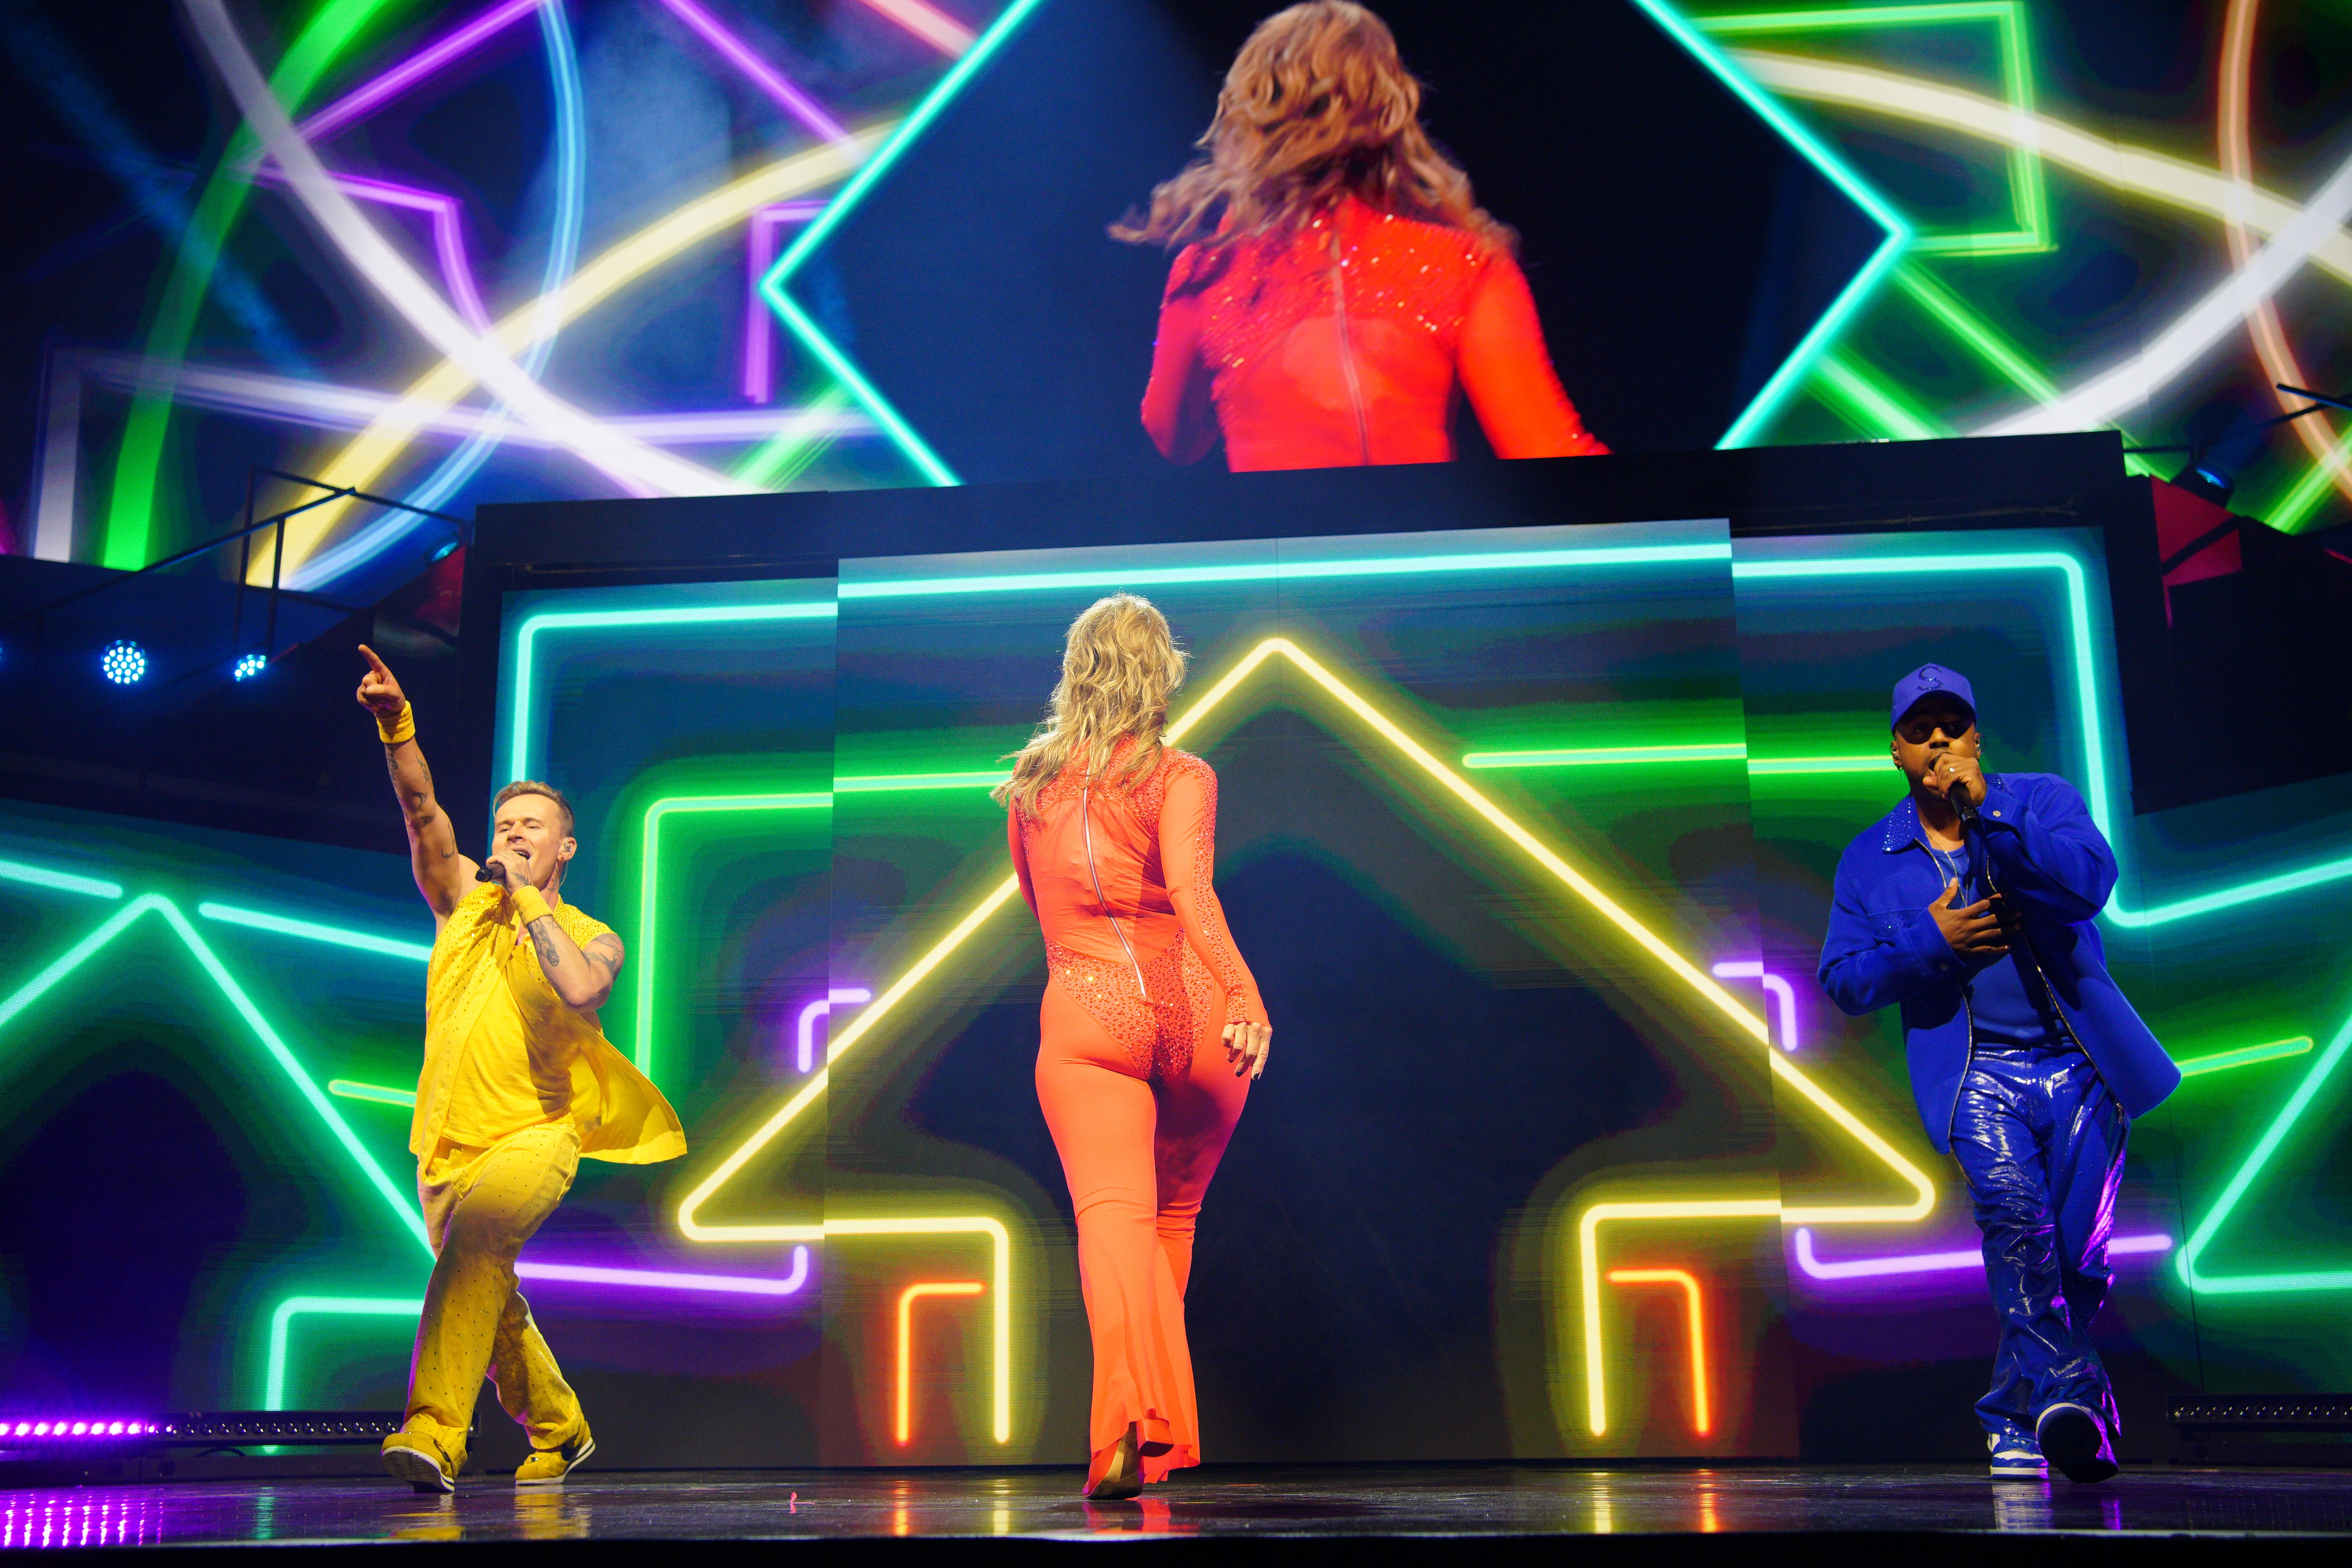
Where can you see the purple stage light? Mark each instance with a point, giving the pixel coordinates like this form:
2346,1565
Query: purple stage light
805,1057
770,81
1954,1262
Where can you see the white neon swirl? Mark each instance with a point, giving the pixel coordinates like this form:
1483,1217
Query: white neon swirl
635,466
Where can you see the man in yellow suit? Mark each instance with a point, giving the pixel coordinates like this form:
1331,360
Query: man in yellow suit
519,1085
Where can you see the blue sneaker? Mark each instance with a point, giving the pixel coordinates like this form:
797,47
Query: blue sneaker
2016,1456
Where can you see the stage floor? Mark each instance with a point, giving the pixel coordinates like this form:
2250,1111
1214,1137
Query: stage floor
1361,1502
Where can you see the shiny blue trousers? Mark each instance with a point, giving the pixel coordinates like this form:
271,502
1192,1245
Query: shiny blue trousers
2042,1143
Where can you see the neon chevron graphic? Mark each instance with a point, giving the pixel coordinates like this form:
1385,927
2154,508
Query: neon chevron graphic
903,1428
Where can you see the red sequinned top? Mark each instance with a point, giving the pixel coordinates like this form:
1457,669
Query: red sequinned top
1120,878
1342,344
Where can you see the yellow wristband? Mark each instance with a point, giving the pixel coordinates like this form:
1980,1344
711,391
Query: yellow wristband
395,732
529,904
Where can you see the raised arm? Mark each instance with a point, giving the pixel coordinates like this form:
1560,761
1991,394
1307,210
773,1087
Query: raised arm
1188,856
443,875
1509,376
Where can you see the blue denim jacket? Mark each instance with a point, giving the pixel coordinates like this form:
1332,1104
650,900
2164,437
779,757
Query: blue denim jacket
2050,858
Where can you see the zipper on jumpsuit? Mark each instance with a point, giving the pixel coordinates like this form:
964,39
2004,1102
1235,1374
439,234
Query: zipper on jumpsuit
1087,832
1347,346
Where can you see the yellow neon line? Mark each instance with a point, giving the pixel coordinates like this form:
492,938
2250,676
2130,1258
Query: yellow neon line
1701,1418
2171,181
1749,1023
375,448
906,1299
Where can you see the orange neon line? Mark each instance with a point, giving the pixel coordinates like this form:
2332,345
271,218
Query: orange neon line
1702,1422
907,1298
2271,345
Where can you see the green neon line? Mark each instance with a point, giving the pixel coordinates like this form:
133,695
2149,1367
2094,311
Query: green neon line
1790,767
869,784
1605,756
519,744
2245,1056
131,508
1871,404
281,1324
2292,511
2029,201
2256,1162
776,462
2004,358
649,886
58,881
1284,572
916,450
309,932
73,957
1793,371
376,1093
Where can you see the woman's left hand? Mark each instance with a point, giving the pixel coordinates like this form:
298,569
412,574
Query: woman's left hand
1247,1047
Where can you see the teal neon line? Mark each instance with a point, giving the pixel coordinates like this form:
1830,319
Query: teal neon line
1287,572
2245,1056
310,930
1784,767
58,881
2256,1162
281,1324
1605,756
870,783
376,1093
649,888
73,957
772,287
527,637
1785,381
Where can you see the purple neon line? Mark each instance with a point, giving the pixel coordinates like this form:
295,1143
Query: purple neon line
415,68
1783,995
663,1279
1938,1262
794,101
759,321
448,234
805,1058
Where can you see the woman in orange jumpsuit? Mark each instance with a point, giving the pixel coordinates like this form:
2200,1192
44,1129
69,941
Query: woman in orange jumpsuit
1114,838
1337,282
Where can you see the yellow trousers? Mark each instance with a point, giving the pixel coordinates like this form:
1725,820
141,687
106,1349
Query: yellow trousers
480,1206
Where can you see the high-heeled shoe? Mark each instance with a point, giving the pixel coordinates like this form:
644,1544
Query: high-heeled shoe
1123,1475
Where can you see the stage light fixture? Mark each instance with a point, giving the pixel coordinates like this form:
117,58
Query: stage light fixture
123,662
250,665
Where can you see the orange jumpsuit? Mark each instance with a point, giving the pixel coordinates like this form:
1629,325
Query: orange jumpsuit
1343,344
1131,1075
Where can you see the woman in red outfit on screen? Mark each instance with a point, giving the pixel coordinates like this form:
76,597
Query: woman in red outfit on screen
1336,282
1150,1031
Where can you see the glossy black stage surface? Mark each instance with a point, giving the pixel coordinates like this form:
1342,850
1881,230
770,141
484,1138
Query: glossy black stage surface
1923,1510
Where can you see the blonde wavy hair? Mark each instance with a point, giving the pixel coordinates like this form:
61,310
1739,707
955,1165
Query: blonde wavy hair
1120,664
1317,106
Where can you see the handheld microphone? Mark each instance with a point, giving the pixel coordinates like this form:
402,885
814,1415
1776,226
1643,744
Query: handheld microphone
482,872
1959,796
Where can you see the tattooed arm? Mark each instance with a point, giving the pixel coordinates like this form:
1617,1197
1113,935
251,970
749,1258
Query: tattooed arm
582,976
443,875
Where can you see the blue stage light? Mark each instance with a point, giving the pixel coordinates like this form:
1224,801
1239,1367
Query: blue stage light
123,662
250,665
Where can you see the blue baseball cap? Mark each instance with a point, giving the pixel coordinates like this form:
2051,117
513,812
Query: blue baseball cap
1931,680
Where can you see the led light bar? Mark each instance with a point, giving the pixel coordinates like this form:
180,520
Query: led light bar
211,1429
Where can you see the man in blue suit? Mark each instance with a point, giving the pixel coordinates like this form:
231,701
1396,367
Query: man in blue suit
1974,906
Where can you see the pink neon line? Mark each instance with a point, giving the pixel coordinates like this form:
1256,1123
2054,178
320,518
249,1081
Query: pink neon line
414,69
794,103
663,1280
1937,1262
759,325
1783,995
928,23
805,1058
